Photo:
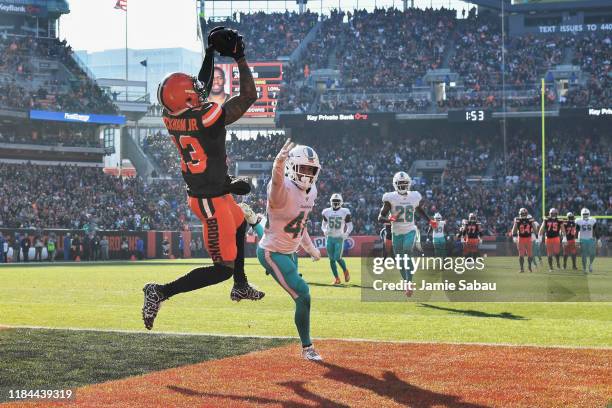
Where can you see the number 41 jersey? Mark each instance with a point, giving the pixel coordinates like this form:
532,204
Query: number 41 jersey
403,207
285,224
199,135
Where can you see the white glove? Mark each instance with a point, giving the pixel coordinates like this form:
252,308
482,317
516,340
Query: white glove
315,255
282,156
515,240
480,240
418,246
599,243
564,241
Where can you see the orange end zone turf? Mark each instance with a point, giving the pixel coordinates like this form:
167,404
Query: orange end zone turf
374,375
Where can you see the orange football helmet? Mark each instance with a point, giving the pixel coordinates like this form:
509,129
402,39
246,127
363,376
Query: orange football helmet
178,92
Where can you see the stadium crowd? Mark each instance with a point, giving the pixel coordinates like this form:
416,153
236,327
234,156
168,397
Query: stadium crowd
72,197
373,56
473,180
53,133
25,86
270,35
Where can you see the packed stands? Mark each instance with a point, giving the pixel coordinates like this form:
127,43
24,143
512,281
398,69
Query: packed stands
62,87
37,197
270,35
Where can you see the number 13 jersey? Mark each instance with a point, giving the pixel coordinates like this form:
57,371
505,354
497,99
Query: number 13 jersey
199,135
286,221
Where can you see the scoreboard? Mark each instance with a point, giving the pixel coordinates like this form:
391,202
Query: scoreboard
268,77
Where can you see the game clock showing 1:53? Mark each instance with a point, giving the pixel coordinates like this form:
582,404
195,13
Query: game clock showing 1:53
469,115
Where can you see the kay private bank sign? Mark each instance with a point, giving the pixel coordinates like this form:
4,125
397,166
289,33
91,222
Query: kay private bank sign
358,118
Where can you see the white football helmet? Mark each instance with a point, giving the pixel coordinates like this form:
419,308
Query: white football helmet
585,213
303,166
438,217
402,182
336,201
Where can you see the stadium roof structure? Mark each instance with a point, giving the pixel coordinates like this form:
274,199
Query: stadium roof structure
523,6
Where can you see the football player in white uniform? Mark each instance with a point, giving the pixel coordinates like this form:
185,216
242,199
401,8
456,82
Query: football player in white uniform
588,237
438,235
291,196
336,226
399,208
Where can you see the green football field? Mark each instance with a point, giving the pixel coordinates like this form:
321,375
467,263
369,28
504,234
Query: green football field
109,297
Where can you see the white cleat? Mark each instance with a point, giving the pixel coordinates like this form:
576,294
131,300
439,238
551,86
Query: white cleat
249,215
309,353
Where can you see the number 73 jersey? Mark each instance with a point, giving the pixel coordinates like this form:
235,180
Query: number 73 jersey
286,223
403,207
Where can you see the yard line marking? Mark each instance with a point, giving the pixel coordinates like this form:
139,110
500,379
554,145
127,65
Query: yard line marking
170,333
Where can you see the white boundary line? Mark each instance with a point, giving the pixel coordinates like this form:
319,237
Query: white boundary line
161,333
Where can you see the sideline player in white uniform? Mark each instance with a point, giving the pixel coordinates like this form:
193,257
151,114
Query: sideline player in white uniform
587,236
438,235
291,196
399,208
337,227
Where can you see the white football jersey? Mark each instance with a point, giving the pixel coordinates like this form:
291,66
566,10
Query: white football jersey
284,226
586,228
336,220
438,232
403,207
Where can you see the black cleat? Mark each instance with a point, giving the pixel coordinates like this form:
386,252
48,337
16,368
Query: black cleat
246,292
152,302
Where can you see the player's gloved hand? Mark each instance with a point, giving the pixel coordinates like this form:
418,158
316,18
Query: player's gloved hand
564,241
212,33
515,240
599,243
227,42
418,246
315,254
237,185
283,155
480,240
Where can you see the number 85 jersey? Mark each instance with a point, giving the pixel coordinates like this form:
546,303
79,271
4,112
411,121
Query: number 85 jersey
199,135
403,207
286,221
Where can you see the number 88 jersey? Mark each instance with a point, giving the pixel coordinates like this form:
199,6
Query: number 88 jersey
285,224
403,207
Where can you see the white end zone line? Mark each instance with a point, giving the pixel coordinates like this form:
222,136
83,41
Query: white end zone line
169,333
